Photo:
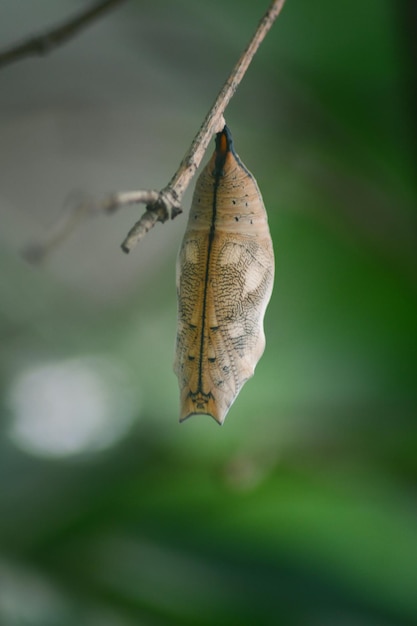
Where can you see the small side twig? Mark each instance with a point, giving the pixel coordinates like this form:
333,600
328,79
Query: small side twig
166,203
169,198
42,44
78,212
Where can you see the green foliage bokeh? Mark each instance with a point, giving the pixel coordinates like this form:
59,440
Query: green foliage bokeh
301,509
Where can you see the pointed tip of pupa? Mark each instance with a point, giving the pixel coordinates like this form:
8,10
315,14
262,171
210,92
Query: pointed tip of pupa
201,404
217,419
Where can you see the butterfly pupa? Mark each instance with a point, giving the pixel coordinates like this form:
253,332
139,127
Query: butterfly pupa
225,272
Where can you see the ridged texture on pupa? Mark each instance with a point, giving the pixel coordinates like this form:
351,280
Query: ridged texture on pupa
225,273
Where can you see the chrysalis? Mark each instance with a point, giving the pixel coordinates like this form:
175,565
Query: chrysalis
225,271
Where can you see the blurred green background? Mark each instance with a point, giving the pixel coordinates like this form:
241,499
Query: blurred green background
302,508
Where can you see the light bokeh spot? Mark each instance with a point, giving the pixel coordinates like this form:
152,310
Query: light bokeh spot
28,598
70,407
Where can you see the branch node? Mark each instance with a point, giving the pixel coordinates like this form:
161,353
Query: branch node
160,205
175,212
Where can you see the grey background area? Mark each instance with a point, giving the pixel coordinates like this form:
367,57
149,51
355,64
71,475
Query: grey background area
300,510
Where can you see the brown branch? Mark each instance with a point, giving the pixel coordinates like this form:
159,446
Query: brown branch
164,204
169,198
41,45
78,212
213,121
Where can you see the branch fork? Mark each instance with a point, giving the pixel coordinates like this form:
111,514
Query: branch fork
160,206
166,203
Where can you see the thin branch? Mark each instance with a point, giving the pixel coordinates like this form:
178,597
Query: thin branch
170,197
213,121
164,204
41,45
78,212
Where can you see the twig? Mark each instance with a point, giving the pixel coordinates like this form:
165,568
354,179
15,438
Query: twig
169,198
164,204
213,121
40,45
77,213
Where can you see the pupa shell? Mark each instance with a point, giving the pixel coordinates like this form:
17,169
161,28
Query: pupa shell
225,273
